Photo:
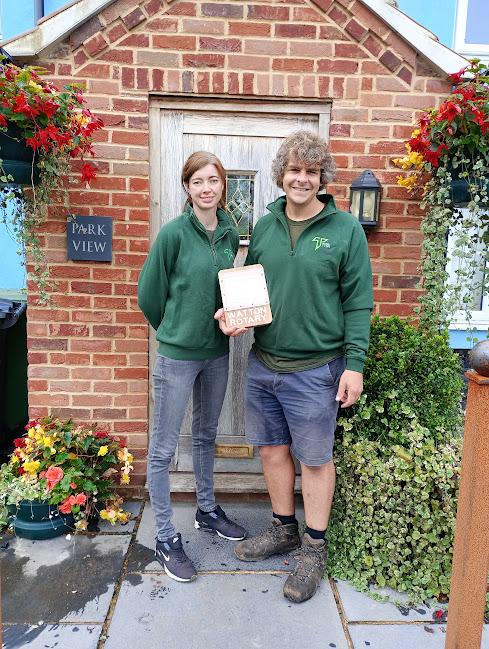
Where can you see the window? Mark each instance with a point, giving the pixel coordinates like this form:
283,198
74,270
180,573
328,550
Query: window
240,194
471,33
479,299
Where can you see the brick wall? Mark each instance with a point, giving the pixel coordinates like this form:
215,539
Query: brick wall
88,358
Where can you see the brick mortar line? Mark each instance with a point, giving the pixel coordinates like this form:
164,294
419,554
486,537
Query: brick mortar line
341,612
122,574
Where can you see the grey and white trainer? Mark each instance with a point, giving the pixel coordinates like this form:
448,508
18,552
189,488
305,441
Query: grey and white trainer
176,564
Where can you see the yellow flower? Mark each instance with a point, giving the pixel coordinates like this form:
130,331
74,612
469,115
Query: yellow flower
31,432
416,158
31,467
14,459
125,479
81,525
415,133
103,450
47,441
408,182
35,86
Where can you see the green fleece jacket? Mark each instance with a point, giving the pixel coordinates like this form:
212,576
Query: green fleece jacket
178,289
321,292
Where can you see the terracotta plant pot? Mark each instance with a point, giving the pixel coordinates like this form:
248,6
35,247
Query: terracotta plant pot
18,158
39,521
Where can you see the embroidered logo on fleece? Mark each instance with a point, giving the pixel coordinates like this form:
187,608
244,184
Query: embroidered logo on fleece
229,254
321,242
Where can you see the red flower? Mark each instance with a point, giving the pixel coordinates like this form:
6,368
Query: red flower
66,505
3,121
72,485
19,442
88,172
53,476
457,76
101,434
32,424
20,105
80,499
449,110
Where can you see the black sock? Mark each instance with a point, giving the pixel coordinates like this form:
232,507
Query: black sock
285,520
315,534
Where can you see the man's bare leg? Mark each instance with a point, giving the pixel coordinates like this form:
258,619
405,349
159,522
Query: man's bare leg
279,472
318,484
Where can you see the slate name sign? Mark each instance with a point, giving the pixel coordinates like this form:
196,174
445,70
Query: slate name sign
89,238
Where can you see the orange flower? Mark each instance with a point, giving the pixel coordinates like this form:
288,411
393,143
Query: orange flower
53,475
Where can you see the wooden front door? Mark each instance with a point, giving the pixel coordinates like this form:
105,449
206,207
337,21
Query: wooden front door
245,136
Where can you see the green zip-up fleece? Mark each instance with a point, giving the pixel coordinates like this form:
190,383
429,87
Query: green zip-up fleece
321,292
178,289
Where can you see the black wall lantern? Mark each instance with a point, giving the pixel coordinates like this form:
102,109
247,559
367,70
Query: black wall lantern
365,199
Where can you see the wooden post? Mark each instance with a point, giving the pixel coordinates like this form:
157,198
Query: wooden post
471,549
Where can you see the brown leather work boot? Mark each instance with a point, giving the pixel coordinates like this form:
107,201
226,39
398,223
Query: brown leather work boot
278,539
306,578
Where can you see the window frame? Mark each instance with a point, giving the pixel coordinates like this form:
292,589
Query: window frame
460,45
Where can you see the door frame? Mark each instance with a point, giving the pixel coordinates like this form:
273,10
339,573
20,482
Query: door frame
322,108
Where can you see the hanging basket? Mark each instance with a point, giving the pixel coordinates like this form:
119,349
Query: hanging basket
39,521
18,159
460,188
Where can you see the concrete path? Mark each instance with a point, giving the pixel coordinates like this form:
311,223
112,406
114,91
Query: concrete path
105,591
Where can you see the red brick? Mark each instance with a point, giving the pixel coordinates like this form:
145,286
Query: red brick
91,316
134,18
118,56
395,309
187,81
135,40
36,357
220,44
162,24
405,74
68,330
91,400
48,399
40,371
372,45
109,303
218,82
116,32
244,62
108,331
337,66
109,413
340,129
171,42
91,373
295,31
399,281
95,45
391,115
410,296
203,82
131,345
47,343
222,9
293,65
249,29
390,60
338,16
130,373
158,79
88,345
248,82
110,360
75,359
182,9
346,146
80,414
110,387
94,70
203,60
153,6
438,86
349,50
205,27
413,238
70,271
93,288
356,30
128,77
263,12
130,105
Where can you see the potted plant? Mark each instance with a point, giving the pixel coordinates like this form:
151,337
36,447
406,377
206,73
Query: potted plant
61,469
42,130
447,164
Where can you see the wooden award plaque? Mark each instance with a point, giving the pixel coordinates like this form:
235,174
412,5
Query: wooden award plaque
245,296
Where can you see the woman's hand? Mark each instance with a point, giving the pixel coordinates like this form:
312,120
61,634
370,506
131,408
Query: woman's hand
229,331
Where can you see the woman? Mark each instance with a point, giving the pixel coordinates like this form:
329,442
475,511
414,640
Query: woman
178,293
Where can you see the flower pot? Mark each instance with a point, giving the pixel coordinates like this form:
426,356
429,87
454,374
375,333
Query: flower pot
39,521
18,158
460,188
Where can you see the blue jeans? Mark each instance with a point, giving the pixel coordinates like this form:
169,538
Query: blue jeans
174,381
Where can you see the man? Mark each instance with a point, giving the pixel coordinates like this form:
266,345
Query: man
310,358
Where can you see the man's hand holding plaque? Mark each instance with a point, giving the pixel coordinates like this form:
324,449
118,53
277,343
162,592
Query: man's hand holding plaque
245,300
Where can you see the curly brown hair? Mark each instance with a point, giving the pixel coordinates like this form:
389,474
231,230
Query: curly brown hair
310,149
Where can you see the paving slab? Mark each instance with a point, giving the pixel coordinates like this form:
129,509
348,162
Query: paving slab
66,579
222,611
363,608
55,636
207,551
397,636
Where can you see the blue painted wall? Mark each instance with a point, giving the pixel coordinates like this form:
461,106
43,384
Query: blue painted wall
436,15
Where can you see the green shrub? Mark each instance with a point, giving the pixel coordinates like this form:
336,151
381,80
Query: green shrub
397,458
411,374
394,513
